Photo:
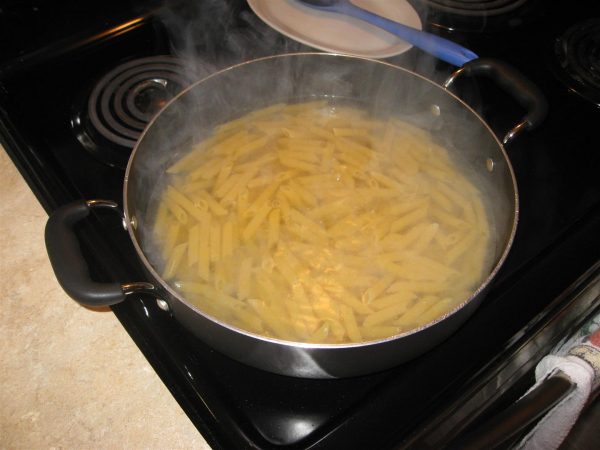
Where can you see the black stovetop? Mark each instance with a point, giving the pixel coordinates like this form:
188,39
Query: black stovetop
51,56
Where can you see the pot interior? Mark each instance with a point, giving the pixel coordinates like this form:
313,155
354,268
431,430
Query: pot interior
382,89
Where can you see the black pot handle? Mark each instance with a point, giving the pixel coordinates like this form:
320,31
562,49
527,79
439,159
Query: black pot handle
513,82
68,263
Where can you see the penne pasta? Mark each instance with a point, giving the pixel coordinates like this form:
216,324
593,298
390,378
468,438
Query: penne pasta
273,230
206,171
386,314
227,240
215,242
412,316
176,210
403,297
243,285
171,238
316,224
240,183
161,223
204,248
193,242
212,204
349,321
173,195
174,261
255,223
411,218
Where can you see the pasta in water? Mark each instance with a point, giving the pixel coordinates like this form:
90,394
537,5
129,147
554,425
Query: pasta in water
317,223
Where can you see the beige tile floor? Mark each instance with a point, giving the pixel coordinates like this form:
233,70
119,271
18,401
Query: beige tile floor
69,377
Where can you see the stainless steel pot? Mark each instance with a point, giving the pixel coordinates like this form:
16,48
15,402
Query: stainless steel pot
377,85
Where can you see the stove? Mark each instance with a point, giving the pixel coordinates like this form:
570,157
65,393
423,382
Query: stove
78,85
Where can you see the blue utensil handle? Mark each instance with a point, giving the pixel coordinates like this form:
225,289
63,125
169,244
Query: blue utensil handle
437,46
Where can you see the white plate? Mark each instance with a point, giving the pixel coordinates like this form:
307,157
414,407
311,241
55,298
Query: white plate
333,32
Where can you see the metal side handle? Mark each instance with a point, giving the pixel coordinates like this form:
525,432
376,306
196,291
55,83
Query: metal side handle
69,265
524,91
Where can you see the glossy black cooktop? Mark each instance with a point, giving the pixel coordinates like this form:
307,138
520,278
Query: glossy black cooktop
52,57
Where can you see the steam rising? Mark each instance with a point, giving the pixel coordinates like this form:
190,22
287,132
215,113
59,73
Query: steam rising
212,35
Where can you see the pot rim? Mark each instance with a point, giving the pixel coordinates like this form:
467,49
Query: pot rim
129,221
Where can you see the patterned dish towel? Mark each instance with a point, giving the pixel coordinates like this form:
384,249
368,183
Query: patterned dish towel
579,360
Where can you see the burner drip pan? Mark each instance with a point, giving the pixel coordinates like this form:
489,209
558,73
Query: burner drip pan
122,103
578,55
